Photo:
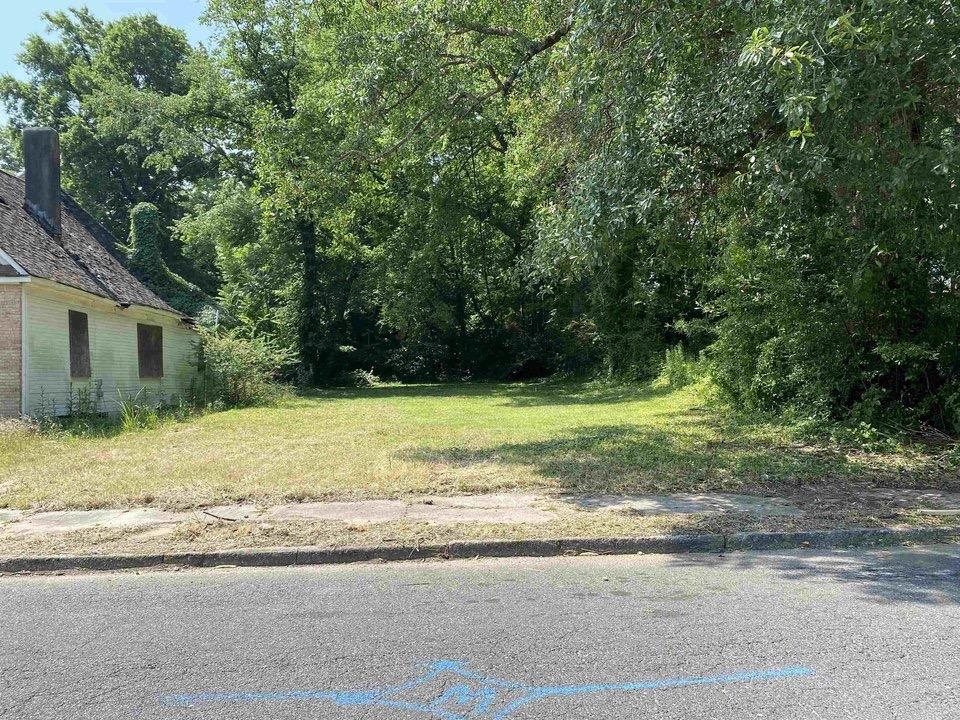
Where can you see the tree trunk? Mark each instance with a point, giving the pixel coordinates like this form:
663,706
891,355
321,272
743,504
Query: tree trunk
310,321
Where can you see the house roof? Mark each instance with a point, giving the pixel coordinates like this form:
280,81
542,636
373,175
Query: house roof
85,256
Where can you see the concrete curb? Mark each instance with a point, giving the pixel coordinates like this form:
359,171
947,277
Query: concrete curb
661,545
856,537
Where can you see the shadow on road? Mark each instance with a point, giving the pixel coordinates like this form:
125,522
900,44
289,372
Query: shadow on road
898,575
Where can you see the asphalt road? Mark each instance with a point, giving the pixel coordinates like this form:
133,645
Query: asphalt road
781,636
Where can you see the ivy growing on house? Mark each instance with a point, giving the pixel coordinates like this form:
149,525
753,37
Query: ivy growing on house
147,262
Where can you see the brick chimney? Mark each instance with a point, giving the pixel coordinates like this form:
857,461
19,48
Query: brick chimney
41,161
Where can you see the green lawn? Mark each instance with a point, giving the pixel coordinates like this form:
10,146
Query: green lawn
401,440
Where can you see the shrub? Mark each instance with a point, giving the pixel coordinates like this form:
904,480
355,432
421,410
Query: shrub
138,413
86,401
235,371
678,371
363,379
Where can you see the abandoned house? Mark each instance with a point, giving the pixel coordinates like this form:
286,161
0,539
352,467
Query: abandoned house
78,331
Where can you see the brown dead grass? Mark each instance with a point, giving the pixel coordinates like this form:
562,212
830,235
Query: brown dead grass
196,536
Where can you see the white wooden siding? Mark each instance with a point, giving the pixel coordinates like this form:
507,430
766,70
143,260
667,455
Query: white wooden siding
114,366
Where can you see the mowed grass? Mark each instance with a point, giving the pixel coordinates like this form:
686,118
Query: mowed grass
439,439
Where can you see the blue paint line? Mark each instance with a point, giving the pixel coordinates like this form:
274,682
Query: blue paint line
573,690
475,696
439,713
679,682
460,669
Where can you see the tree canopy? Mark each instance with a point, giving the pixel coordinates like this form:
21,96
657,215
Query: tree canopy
445,190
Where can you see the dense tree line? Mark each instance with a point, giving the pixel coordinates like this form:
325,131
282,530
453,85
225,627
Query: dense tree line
446,189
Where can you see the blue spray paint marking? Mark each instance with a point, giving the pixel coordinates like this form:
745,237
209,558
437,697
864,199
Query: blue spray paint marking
464,695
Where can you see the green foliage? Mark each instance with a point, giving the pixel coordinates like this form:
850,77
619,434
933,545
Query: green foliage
782,170
436,190
122,97
223,221
143,244
137,412
146,261
364,379
237,372
88,414
678,371
838,290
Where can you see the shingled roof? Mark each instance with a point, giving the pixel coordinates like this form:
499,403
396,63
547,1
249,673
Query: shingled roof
85,256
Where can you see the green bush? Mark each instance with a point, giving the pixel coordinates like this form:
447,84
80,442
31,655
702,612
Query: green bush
363,379
137,412
235,371
678,370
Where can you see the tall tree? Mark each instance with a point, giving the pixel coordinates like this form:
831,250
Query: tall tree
784,172
431,102
262,52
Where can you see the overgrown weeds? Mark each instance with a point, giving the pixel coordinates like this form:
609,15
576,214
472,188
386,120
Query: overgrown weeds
235,371
679,369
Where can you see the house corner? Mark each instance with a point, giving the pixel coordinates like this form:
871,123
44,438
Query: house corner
11,338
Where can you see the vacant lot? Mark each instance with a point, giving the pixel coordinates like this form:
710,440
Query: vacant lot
403,440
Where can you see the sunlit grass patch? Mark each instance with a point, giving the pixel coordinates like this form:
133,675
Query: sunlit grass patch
403,440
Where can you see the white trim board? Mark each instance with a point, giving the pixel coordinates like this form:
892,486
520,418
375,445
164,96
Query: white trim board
24,389
7,260
68,293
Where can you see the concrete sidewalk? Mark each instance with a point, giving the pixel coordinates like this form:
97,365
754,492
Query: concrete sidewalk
496,509
492,525
502,508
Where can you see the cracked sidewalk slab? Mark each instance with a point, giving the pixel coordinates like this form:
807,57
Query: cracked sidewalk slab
687,504
499,508
63,521
494,508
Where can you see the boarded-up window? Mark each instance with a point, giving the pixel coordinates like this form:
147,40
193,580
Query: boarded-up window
150,350
79,345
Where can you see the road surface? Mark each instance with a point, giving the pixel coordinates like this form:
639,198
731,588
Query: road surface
789,636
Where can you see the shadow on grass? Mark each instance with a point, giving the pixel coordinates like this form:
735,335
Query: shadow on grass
928,575
628,458
547,393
